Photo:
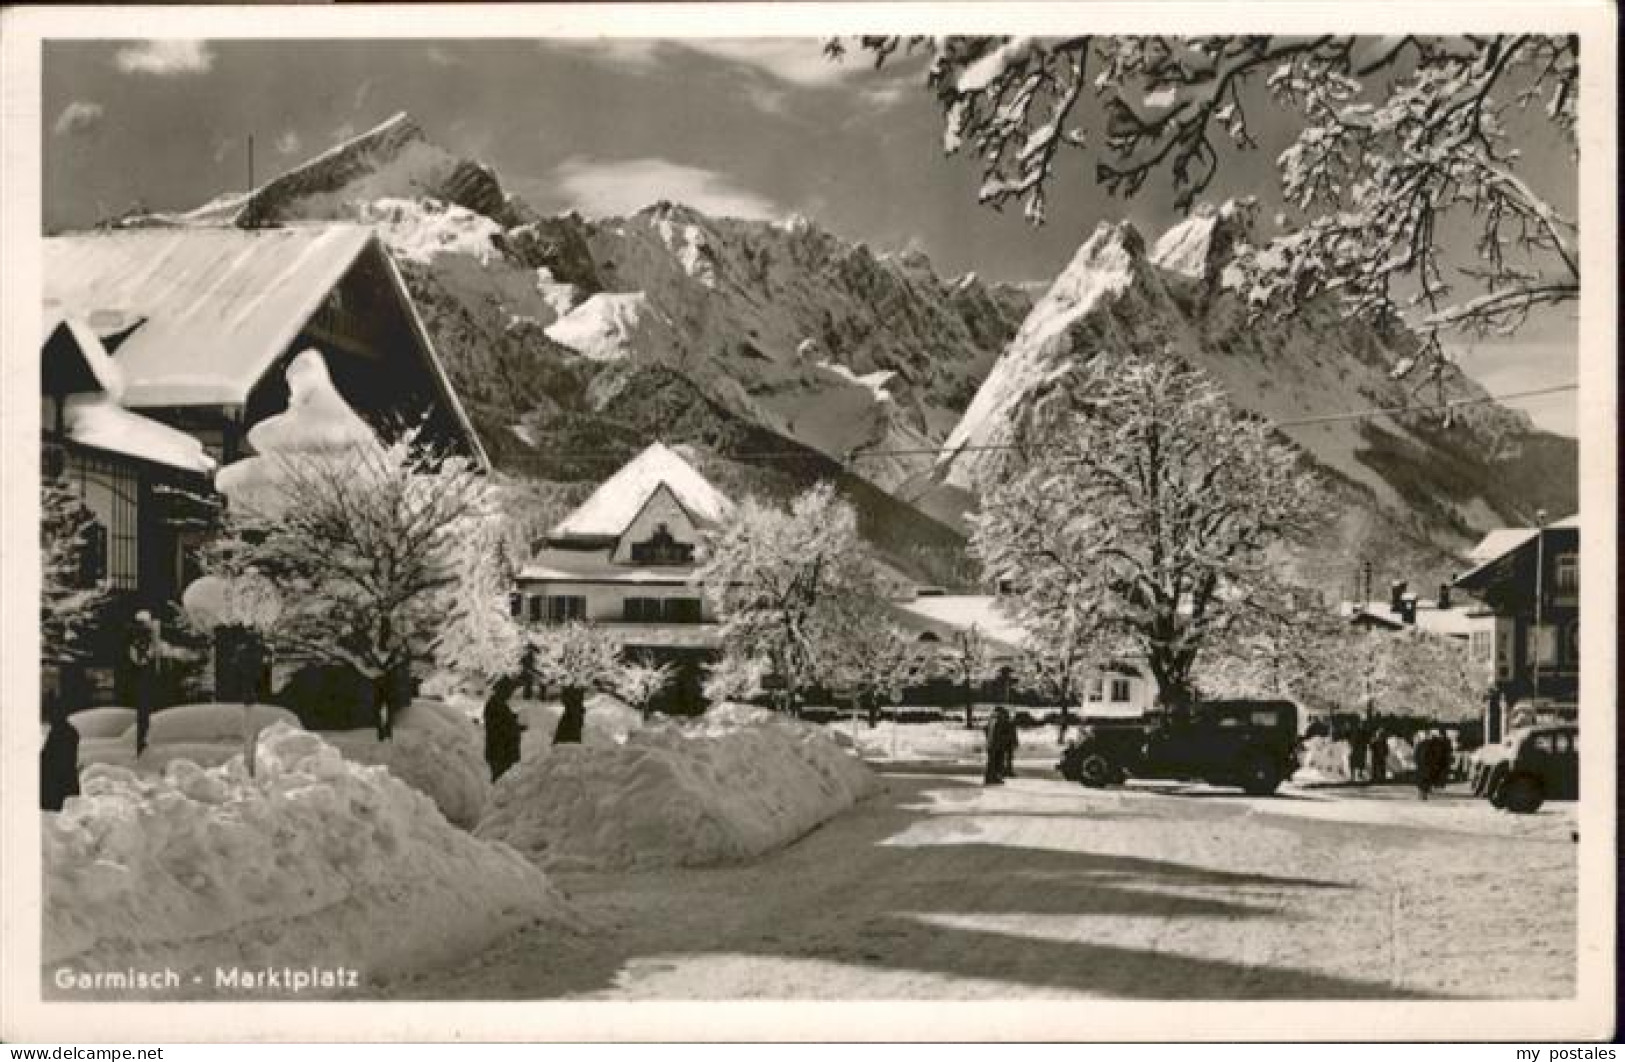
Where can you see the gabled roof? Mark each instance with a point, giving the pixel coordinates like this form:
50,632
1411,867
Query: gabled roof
219,304
610,510
1504,542
944,614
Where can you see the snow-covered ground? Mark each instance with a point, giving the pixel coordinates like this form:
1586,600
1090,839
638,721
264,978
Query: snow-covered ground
310,861
942,889
730,785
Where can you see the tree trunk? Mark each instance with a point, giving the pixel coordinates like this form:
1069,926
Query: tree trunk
574,719
970,706
391,693
874,712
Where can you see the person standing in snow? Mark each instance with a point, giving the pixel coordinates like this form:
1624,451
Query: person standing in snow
142,655
502,730
1357,750
1379,756
1427,768
993,774
1009,739
59,763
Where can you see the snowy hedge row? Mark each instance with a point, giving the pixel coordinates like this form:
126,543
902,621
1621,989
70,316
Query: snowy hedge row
732,784
311,861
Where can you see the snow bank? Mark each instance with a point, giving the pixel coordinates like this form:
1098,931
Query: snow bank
733,784
312,861
609,721
1322,760
436,749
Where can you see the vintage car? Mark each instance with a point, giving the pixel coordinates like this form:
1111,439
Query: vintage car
1533,765
1247,743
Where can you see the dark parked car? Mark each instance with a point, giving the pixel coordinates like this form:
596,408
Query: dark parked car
1532,766
1247,743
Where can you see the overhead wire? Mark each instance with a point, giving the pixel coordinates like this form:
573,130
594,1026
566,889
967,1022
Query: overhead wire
865,453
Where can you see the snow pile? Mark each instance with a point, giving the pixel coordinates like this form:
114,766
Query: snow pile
421,230
609,721
731,785
1324,761
948,741
311,861
436,750
203,734
614,327
318,424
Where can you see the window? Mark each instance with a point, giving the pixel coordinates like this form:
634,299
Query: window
661,548
681,610
1542,742
1120,691
1563,744
642,610
564,608
1568,573
1541,645
1483,646
1097,689
111,491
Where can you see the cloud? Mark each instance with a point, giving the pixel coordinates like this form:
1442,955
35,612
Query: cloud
166,58
601,187
288,142
79,118
224,147
362,91
798,60
440,57
639,53
343,131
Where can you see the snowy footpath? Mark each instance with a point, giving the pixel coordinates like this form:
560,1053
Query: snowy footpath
941,889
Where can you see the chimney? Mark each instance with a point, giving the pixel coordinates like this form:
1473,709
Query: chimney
1407,609
1396,594
1444,595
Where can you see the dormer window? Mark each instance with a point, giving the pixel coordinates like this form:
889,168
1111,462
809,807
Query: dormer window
660,548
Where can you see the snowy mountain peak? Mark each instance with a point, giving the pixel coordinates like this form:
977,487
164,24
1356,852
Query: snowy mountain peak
1203,244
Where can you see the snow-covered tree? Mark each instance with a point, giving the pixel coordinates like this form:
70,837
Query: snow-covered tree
968,657
734,677
1405,190
876,661
1144,525
481,641
639,684
365,541
576,657
1057,662
70,601
788,584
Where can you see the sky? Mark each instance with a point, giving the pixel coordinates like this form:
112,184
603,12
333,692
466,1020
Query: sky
755,128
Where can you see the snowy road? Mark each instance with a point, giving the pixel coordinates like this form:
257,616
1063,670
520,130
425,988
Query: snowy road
941,889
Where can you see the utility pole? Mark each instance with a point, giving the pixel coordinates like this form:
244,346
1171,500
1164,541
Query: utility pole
1540,609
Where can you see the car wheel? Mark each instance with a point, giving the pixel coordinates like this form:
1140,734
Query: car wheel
1522,794
1261,778
1095,771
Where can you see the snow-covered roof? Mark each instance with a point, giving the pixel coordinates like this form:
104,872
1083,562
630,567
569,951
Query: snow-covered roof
98,420
945,613
612,507
218,304
1455,622
1503,541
